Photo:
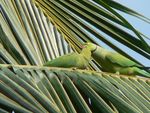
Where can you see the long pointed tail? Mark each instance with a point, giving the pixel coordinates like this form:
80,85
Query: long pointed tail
143,73
144,68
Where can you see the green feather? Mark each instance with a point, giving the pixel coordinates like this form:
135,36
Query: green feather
69,60
120,60
77,60
115,62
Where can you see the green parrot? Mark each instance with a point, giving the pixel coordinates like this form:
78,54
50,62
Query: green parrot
116,63
73,60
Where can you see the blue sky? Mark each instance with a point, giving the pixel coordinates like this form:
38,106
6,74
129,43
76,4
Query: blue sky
143,7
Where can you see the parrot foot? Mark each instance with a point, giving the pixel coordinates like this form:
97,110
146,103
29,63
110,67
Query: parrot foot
74,68
87,68
117,73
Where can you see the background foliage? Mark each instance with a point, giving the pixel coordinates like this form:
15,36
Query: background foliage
33,32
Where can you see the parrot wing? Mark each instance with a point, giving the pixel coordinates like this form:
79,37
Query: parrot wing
66,61
120,60
61,61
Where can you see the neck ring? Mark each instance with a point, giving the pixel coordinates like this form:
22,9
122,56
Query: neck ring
94,50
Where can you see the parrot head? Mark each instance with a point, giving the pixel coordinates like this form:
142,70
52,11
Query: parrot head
90,46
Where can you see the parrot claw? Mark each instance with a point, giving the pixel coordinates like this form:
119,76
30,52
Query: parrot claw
117,73
87,68
74,68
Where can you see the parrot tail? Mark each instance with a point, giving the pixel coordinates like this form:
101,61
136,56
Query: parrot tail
143,73
144,68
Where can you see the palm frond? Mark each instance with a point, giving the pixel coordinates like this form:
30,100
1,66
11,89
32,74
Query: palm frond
70,23
27,45
35,31
42,89
81,16
125,9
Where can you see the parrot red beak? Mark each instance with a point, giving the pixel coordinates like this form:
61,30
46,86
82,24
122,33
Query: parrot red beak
82,47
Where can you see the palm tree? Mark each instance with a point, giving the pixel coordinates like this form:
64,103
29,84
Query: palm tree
35,31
